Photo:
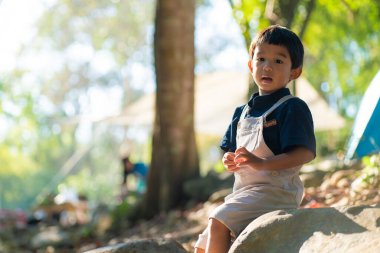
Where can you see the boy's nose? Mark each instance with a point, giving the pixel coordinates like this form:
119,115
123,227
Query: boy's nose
267,68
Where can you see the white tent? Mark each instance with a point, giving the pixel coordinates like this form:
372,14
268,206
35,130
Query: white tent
324,117
217,95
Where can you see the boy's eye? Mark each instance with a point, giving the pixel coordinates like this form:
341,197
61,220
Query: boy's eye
279,61
260,59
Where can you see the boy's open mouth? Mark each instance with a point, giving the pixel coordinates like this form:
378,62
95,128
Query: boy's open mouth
266,78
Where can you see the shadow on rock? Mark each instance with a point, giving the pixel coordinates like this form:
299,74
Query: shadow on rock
288,231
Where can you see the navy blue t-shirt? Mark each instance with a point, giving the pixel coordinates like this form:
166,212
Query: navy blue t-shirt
288,126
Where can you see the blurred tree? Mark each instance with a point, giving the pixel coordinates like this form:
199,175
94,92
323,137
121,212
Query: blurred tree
29,149
82,47
97,42
174,155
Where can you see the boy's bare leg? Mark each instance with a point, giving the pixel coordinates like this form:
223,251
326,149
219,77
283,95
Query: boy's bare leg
219,237
199,250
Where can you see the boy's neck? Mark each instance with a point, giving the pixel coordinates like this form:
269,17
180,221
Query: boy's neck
264,93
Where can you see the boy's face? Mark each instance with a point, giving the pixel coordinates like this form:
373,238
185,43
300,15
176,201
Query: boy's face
271,68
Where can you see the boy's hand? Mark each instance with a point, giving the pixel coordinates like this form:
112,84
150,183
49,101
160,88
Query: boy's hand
228,161
245,158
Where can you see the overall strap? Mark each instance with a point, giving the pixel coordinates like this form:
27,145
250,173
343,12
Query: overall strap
244,112
269,111
277,104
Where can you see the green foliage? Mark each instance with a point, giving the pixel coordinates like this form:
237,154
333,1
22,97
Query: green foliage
209,152
105,25
342,48
341,41
26,148
369,177
124,213
332,142
250,17
40,112
219,167
98,175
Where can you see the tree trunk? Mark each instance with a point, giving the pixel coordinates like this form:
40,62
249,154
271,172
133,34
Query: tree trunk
174,154
288,11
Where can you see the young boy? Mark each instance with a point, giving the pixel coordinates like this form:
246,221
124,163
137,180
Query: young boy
267,142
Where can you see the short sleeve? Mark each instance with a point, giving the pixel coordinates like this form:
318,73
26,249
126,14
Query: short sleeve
225,144
297,128
228,142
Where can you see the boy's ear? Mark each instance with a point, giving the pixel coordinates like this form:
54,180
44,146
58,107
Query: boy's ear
250,65
295,73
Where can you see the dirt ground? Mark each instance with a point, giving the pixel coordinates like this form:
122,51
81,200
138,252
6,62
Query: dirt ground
334,189
184,226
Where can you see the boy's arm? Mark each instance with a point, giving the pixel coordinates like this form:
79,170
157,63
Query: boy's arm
295,157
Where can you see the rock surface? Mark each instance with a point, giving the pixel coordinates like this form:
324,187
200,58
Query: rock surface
343,229
143,246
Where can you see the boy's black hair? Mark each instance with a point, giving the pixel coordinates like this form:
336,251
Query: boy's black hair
282,36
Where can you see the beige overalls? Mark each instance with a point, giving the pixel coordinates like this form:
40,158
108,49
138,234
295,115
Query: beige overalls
256,192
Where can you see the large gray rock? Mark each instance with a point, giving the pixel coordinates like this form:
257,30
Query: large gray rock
345,229
143,246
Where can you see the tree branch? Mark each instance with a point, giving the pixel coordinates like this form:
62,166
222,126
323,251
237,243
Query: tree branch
269,12
309,10
232,4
